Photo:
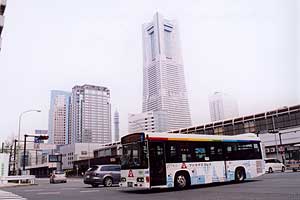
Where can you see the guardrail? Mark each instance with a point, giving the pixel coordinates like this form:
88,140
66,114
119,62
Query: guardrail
29,178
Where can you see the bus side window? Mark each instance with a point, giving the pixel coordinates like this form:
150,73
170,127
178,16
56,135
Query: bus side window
185,153
216,152
231,151
200,154
172,155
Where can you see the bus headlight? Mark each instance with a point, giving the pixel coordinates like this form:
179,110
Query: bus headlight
123,179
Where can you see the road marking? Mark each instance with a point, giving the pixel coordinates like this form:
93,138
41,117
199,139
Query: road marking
89,191
68,188
43,193
33,190
10,196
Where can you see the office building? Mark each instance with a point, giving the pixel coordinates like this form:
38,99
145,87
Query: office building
151,121
90,114
59,117
117,126
163,72
2,9
77,151
222,106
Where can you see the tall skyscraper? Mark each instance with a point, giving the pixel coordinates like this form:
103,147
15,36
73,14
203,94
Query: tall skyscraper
90,114
59,117
117,126
222,106
2,9
164,81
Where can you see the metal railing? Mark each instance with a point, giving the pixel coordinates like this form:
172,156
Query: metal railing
28,178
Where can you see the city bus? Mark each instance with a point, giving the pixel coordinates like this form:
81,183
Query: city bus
166,160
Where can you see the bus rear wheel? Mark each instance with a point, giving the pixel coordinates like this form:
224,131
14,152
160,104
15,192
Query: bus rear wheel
240,174
181,180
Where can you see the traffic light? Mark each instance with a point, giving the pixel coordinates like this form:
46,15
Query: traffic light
37,139
43,137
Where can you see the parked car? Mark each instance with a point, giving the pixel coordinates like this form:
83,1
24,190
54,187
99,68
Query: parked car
293,165
273,164
58,176
106,175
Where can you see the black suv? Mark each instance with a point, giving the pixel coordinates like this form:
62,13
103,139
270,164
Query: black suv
106,175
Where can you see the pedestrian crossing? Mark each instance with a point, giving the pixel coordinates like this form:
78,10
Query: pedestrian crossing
10,196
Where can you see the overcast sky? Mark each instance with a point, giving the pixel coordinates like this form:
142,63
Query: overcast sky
246,48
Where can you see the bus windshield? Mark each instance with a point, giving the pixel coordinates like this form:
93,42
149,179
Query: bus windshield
134,156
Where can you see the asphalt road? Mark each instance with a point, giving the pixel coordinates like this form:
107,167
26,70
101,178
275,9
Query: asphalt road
274,186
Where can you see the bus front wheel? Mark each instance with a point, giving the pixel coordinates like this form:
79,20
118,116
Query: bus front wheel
182,180
240,174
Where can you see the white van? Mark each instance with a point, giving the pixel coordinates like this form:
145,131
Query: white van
273,164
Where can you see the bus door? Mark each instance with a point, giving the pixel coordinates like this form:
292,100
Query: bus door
231,157
157,163
219,163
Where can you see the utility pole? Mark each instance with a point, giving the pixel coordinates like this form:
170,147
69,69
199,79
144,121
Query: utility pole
2,147
9,162
24,153
19,130
15,152
274,130
283,152
36,157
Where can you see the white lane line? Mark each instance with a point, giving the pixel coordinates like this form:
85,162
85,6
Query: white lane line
68,188
33,190
89,191
43,193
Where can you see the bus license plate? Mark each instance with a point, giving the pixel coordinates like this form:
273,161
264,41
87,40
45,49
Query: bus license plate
129,184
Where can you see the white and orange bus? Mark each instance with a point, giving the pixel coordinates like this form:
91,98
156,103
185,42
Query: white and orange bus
163,160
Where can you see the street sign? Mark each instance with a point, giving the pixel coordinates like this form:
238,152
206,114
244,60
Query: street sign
55,158
39,138
36,140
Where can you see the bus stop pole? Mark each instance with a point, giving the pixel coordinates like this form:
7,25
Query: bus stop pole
283,152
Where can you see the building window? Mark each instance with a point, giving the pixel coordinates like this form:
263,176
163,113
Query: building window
168,43
152,38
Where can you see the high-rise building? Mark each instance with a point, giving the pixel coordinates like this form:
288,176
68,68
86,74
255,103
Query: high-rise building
59,117
152,121
222,106
163,74
117,126
2,9
90,114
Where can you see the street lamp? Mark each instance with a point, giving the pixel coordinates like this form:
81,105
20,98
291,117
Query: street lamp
275,131
19,130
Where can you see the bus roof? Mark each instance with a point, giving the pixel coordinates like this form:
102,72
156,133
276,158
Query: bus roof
199,137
